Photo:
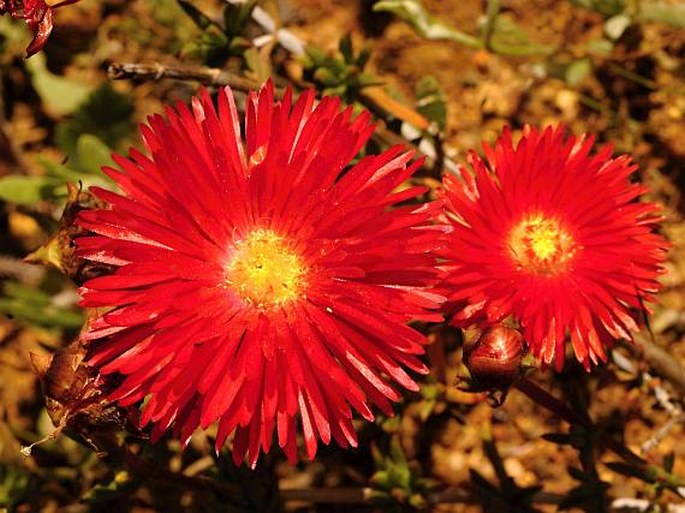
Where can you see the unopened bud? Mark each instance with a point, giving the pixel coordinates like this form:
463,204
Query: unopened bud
59,250
494,359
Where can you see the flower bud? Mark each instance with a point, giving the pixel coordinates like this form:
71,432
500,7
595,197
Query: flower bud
494,359
59,251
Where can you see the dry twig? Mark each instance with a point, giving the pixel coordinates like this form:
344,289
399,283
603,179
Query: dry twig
207,76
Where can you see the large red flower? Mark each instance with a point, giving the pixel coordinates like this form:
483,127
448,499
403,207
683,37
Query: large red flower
553,236
264,281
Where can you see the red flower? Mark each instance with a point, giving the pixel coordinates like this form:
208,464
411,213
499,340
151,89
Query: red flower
261,282
38,16
554,237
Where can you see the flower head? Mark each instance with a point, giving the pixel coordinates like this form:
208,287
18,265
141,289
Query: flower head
262,283
553,236
38,16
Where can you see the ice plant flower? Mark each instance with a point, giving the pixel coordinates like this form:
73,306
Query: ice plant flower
38,16
554,236
261,284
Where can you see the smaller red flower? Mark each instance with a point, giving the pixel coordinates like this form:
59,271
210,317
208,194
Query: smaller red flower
38,16
554,237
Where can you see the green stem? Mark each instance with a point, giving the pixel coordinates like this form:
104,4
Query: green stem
540,396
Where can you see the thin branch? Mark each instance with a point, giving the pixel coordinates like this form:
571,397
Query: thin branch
208,76
661,433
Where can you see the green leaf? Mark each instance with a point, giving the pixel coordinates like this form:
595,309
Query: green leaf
491,15
212,47
258,60
92,154
14,485
605,7
368,80
431,101
599,46
236,16
199,18
424,23
345,47
397,452
37,307
508,38
106,113
59,95
27,190
363,57
577,71
63,174
673,15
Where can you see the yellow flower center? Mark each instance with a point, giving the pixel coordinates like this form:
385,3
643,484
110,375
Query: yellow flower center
541,245
265,271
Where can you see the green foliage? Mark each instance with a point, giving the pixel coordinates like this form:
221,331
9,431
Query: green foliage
14,484
104,119
13,38
236,17
398,480
106,114
37,307
424,23
644,11
661,477
671,14
219,42
431,101
341,73
90,155
28,190
605,7
577,70
60,95
573,71
212,47
506,37
500,34
198,17
599,46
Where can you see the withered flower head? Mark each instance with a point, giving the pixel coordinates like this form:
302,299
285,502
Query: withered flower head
38,16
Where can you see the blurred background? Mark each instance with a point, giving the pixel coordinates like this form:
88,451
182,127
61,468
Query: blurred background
442,75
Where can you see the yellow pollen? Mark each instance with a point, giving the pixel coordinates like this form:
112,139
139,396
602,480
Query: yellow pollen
541,245
265,271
